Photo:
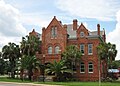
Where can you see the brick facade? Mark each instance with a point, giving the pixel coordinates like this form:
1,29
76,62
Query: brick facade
74,34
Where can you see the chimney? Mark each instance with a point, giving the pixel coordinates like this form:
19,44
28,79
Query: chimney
65,26
98,29
43,29
60,22
75,24
104,35
33,30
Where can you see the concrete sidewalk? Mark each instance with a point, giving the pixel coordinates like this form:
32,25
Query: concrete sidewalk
23,84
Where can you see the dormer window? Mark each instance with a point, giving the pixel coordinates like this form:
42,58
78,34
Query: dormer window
54,32
82,34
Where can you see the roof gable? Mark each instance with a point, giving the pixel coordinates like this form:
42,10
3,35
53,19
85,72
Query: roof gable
82,28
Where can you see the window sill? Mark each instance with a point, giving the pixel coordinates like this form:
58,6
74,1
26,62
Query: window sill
90,72
83,54
90,53
82,72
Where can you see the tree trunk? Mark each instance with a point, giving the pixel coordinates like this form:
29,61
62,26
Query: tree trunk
30,73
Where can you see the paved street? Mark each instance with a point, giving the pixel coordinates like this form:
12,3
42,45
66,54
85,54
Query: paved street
22,84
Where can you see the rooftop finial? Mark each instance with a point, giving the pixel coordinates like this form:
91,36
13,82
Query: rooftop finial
54,16
33,30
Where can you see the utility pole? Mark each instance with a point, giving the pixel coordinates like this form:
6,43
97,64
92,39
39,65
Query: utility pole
99,72
43,67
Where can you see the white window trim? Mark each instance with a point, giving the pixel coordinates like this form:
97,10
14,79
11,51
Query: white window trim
88,49
54,32
80,68
57,52
83,49
92,68
82,35
51,50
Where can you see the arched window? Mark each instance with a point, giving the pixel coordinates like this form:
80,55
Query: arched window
82,67
90,67
49,50
57,50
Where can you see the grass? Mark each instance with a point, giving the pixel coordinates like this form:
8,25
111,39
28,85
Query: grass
5,79
83,83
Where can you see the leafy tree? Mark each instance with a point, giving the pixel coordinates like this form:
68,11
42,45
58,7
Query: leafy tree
0,54
29,63
57,68
2,66
115,64
11,52
107,51
112,52
29,46
71,55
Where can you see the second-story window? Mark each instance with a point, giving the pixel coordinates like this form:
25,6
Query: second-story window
54,32
82,34
82,48
57,50
49,50
90,49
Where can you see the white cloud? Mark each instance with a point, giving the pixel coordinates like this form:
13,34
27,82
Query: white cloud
10,21
114,36
99,9
6,40
11,28
35,19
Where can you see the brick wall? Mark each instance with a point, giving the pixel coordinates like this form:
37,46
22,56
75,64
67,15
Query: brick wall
62,41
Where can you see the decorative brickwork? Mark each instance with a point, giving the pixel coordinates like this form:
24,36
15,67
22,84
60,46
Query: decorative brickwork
60,35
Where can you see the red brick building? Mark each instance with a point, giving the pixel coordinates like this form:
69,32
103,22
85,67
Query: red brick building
55,38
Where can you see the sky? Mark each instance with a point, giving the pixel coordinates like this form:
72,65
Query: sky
19,17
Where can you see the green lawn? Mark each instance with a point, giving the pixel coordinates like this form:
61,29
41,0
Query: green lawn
63,83
84,83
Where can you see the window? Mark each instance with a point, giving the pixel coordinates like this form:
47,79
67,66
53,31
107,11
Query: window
82,34
90,46
49,50
74,67
82,48
57,50
90,67
54,32
82,67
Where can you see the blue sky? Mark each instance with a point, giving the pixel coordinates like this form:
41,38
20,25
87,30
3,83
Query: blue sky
48,8
18,17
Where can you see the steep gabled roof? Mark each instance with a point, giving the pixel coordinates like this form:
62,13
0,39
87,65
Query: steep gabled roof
70,31
96,33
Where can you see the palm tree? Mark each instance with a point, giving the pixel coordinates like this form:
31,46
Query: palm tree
112,52
29,46
107,52
0,54
12,53
71,55
57,68
28,63
2,66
